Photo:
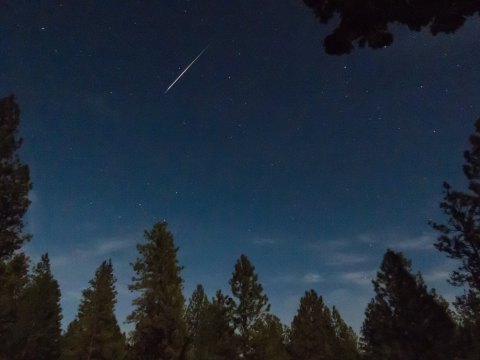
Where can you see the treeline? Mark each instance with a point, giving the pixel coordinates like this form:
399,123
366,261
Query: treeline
404,321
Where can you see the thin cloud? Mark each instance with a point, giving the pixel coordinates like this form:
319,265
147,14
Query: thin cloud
309,278
418,243
342,259
312,278
109,246
361,278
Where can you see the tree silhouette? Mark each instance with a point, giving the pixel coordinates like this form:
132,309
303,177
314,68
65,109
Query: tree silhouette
159,310
346,341
460,239
194,317
251,303
38,330
367,21
405,321
14,187
216,338
95,333
312,335
14,181
269,340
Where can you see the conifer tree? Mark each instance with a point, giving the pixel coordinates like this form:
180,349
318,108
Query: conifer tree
38,330
14,181
159,309
216,338
312,335
460,239
250,306
405,321
346,341
13,279
95,333
194,316
269,340
14,188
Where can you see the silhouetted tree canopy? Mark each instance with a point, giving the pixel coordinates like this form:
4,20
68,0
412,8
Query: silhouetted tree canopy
158,312
38,330
312,334
405,321
95,333
250,306
368,22
14,181
460,239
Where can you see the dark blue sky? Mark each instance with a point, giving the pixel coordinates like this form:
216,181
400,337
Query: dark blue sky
310,164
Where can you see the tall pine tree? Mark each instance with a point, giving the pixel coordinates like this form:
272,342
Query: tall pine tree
14,188
14,181
312,335
269,339
13,279
405,321
460,239
37,332
195,314
250,305
215,338
346,342
159,309
95,333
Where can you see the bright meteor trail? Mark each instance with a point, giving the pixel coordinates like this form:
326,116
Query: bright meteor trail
184,71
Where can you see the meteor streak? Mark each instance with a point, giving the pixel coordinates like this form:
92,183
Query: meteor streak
184,71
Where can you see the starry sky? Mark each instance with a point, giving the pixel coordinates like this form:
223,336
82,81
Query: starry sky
312,165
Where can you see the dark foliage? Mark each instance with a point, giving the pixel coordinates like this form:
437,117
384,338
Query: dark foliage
14,278
159,310
14,181
312,334
460,239
215,337
405,321
38,330
250,304
95,333
368,21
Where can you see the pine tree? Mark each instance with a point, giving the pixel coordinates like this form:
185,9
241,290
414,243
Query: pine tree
194,316
251,303
14,181
13,279
216,338
312,336
405,321
38,329
346,341
95,333
159,310
460,239
269,340
14,187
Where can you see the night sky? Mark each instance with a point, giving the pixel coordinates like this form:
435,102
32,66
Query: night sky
310,164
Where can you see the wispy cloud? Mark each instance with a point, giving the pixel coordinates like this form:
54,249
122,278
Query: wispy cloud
436,275
342,259
440,273
361,278
112,245
424,241
312,278
309,278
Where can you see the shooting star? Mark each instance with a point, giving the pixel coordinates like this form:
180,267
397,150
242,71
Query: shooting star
188,67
